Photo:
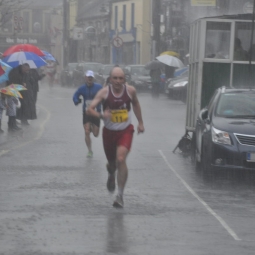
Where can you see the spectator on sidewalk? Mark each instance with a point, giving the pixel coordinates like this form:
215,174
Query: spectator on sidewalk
2,108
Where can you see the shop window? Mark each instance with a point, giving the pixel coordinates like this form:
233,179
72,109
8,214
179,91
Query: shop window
26,19
217,40
37,19
7,20
243,49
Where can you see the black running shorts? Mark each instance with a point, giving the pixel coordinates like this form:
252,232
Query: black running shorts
91,119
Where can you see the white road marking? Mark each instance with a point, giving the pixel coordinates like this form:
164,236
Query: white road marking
37,137
208,208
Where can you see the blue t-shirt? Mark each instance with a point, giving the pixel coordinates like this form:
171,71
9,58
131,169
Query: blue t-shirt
88,93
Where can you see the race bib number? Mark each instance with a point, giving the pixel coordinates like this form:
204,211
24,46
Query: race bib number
88,103
119,116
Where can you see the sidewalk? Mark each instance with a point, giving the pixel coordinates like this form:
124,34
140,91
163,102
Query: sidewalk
8,137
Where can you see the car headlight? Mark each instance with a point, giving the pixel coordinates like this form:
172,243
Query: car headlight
219,136
180,84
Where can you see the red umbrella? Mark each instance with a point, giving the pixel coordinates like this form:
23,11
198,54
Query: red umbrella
23,47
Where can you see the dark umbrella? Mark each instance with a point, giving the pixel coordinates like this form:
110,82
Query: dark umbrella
153,65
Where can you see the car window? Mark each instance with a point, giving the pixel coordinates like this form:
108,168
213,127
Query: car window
212,102
236,104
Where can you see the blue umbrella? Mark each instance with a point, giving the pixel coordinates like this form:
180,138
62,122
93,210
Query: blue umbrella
19,58
48,56
6,68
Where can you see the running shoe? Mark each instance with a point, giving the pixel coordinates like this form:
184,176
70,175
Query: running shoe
111,180
118,202
90,154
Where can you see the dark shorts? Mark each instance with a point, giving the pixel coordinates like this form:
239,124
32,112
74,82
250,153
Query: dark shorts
91,119
113,139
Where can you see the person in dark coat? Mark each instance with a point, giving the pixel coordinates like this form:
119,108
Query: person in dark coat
27,110
36,78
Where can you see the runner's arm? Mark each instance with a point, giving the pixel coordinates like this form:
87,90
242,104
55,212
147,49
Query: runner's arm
137,109
95,102
76,96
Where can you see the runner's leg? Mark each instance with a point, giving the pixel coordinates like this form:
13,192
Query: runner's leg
87,135
122,175
95,130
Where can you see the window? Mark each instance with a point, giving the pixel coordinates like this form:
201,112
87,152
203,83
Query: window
124,17
217,40
132,15
26,18
6,21
37,21
242,49
116,17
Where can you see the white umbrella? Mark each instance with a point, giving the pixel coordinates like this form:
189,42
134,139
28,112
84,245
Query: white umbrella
170,61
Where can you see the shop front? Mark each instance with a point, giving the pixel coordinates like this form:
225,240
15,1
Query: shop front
41,41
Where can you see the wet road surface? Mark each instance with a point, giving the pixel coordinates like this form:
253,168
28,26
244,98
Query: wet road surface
53,200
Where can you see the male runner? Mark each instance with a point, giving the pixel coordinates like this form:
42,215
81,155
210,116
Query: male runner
90,123
118,130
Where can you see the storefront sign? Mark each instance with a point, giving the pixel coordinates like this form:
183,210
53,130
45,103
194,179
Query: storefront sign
21,40
203,2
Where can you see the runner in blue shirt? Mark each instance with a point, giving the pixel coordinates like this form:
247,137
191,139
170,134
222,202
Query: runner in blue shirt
90,123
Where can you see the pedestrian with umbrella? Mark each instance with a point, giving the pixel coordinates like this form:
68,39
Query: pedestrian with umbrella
155,73
2,108
21,75
11,103
36,77
4,71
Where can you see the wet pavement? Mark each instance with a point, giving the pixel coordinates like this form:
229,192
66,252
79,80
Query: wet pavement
53,200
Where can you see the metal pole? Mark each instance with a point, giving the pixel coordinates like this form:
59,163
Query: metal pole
251,42
156,24
65,31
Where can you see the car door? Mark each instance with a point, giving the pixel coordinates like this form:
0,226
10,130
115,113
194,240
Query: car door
203,126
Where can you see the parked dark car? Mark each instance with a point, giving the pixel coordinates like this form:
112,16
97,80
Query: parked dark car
66,76
225,131
176,88
138,77
81,68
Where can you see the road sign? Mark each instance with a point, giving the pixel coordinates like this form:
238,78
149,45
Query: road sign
78,33
117,42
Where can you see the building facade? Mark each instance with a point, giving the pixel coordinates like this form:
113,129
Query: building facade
178,15
130,33
93,17
39,24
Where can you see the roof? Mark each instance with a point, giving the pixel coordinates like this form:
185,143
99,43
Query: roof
91,8
234,16
236,90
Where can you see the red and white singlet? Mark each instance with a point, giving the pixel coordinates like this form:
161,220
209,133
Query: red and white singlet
120,107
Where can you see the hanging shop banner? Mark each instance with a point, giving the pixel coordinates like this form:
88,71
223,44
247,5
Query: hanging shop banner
203,2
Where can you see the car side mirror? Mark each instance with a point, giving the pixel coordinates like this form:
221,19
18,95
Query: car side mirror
204,114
